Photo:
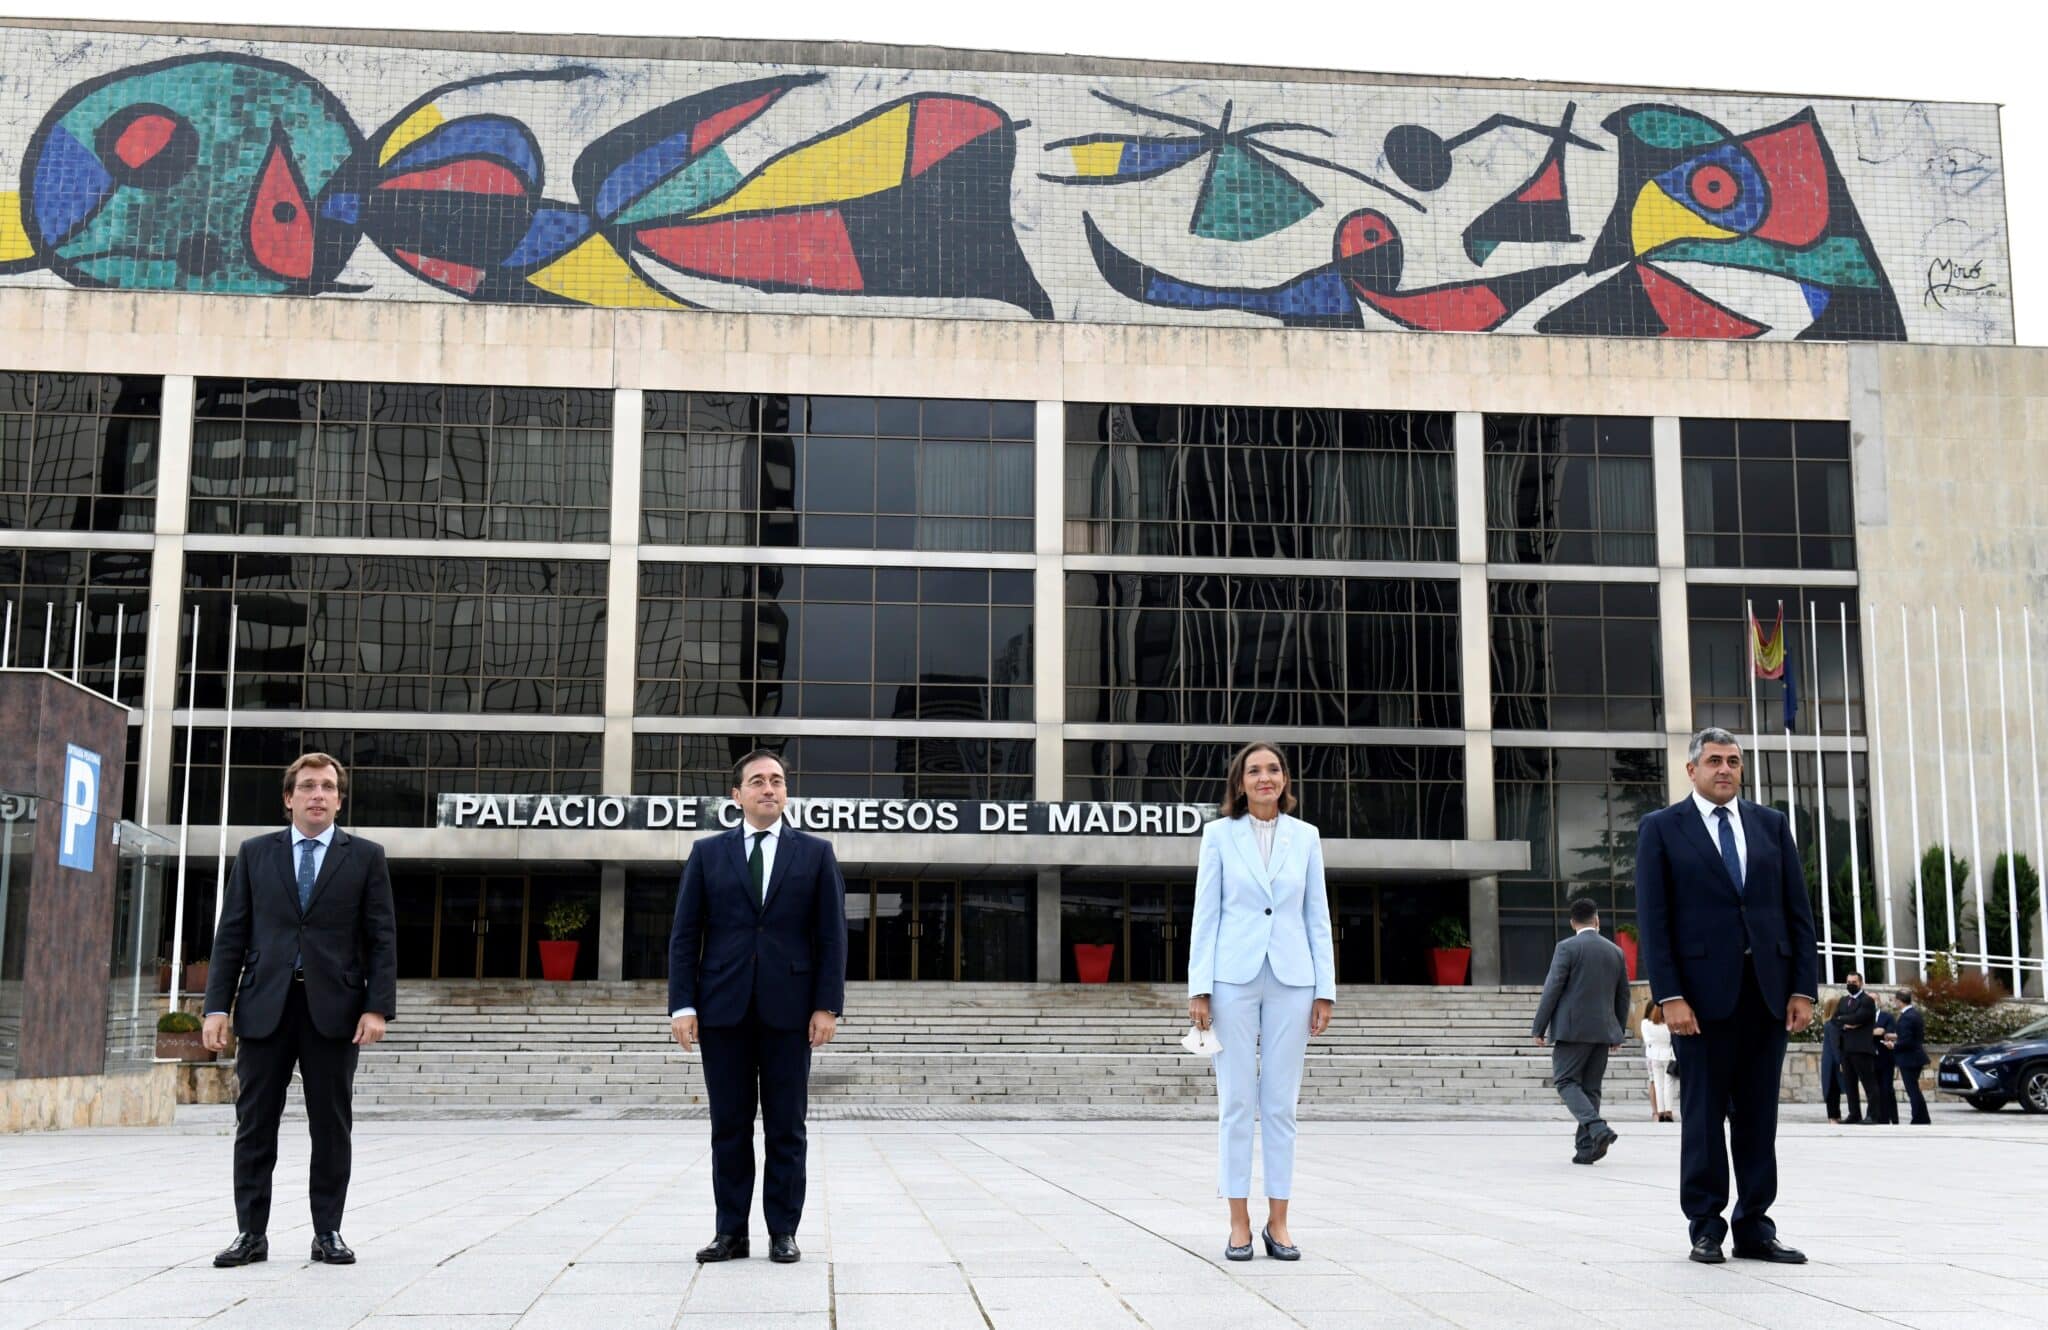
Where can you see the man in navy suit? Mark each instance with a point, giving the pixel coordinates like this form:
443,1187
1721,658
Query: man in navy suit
757,974
1909,1051
1728,941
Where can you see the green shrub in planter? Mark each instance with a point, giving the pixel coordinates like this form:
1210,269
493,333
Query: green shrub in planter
565,919
177,1022
1449,933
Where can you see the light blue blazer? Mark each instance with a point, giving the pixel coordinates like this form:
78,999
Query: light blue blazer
1249,912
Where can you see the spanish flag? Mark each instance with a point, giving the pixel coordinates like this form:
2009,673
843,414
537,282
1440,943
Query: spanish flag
1767,654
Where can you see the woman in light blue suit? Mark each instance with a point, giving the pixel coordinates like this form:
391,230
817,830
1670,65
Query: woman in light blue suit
1263,973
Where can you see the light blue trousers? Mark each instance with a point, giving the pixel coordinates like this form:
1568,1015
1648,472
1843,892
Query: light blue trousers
1263,1026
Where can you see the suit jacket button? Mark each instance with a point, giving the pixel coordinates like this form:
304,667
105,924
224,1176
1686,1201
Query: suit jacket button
1269,909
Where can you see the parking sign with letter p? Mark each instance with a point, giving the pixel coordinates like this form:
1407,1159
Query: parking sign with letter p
81,808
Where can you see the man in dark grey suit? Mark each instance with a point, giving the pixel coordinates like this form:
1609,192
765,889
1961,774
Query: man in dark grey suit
1584,1016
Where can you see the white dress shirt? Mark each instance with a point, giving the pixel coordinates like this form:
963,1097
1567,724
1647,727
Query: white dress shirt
1263,831
768,844
1708,814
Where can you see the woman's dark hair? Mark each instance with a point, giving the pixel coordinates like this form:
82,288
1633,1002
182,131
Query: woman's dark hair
1234,803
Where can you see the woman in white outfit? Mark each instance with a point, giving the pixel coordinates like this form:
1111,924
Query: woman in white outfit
1658,1053
1262,970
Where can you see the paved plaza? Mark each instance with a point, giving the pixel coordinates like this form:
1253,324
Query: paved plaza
960,1222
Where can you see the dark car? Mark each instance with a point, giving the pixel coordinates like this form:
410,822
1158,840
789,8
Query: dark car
1990,1076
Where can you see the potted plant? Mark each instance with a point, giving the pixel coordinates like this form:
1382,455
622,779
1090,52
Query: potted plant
177,1038
1450,951
1630,941
562,922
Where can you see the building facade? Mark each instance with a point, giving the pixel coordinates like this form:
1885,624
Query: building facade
566,416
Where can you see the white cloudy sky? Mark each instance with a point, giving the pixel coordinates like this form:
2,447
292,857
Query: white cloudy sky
1964,50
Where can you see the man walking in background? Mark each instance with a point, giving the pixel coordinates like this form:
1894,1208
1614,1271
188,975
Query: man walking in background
1584,1014
1909,1051
1728,941
757,972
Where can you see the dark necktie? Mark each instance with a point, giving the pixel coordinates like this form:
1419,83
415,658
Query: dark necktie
306,848
756,865
1729,854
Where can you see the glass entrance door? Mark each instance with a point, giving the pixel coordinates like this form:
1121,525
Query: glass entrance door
915,930
947,930
481,925
1382,928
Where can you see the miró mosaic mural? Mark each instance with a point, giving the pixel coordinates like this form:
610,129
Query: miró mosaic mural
356,172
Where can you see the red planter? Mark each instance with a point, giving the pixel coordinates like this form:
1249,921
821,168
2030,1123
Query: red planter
1092,961
1449,965
558,961
1628,953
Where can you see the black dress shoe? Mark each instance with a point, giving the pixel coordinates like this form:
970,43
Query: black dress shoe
1583,1156
329,1249
782,1249
1772,1250
724,1247
1279,1251
1707,1252
1603,1140
246,1249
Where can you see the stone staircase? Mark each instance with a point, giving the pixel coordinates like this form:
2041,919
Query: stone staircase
509,1046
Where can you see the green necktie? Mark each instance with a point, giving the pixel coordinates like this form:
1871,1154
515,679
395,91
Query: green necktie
754,865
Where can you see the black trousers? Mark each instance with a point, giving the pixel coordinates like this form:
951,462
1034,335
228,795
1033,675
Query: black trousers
1911,1077
750,1066
264,1067
1728,1078
1862,1084
1884,1097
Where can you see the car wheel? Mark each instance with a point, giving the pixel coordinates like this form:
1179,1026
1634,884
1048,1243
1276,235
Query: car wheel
2034,1088
1983,1103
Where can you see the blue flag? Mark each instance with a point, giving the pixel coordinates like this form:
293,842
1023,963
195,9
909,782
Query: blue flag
1791,697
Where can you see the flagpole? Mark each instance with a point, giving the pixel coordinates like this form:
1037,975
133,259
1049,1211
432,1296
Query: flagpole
120,621
1948,848
1791,772
2034,762
185,819
2012,890
1849,784
1877,807
1756,746
77,638
227,766
1982,869
1820,799
7,638
1913,799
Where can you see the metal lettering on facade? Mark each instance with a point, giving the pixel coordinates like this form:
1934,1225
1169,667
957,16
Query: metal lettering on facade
946,817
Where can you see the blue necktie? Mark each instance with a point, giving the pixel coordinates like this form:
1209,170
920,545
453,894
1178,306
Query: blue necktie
1729,854
306,873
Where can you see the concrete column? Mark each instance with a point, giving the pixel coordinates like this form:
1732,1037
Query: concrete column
622,599
161,692
1049,620
611,922
1476,682
1048,925
1674,630
1483,894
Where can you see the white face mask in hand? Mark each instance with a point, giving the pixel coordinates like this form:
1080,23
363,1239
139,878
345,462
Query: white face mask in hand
1202,1043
